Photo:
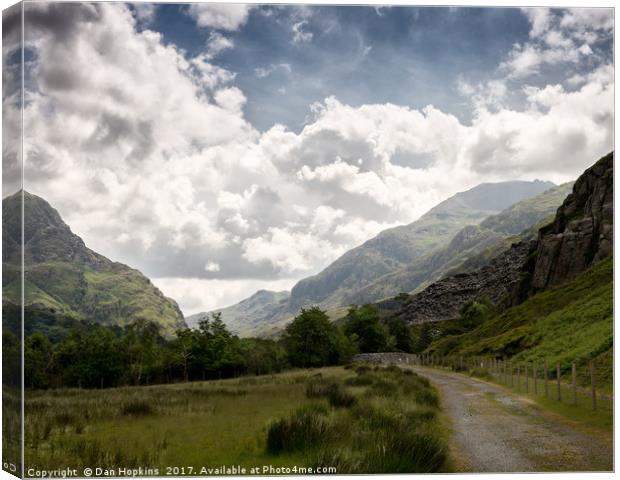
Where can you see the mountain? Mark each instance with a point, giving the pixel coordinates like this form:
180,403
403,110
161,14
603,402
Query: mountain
62,275
469,242
397,247
580,235
248,315
388,252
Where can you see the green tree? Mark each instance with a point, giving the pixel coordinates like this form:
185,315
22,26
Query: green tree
363,324
474,312
311,340
401,332
424,338
143,343
38,358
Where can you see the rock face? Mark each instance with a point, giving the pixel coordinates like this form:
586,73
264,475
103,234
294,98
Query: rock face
582,233
443,299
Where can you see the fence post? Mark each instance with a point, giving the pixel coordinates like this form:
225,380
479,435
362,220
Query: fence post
558,374
527,386
574,372
512,382
546,379
535,379
518,377
593,386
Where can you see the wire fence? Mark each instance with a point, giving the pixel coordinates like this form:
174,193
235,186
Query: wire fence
574,383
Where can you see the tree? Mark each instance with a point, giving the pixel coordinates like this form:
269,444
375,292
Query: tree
363,323
311,340
401,333
37,361
474,312
425,337
143,342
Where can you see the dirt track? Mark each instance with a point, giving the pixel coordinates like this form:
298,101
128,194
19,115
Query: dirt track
495,430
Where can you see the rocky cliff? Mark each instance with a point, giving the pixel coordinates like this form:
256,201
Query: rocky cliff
582,232
443,299
580,235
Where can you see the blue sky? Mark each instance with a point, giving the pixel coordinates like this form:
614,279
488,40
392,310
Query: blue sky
402,55
225,148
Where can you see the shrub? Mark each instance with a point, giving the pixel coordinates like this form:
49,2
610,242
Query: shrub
341,398
137,408
305,428
334,393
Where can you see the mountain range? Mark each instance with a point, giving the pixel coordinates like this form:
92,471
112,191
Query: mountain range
64,276
386,264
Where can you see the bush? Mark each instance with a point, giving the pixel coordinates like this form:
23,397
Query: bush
334,393
306,428
137,408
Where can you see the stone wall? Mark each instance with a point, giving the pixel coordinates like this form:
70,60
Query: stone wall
385,358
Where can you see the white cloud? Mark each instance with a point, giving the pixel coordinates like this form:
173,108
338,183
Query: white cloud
222,16
212,267
217,43
558,37
198,295
231,99
301,33
145,12
176,182
262,72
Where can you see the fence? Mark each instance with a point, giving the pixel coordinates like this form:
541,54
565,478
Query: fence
572,384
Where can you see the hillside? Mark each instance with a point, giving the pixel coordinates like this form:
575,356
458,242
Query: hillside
397,247
488,237
564,323
62,275
562,304
248,315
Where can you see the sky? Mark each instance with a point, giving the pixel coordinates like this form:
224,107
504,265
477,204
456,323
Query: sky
225,148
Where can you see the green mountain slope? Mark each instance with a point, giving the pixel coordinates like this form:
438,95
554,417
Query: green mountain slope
491,236
570,322
395,248
248,316
63,275
561,307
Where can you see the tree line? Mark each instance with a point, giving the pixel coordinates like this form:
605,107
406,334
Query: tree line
96,356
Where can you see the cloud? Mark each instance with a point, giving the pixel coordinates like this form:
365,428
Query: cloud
221,16
212,267
262,72
198,295
144,12
177,183
217,43
301,33
558,37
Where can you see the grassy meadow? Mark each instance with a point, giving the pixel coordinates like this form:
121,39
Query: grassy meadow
357,419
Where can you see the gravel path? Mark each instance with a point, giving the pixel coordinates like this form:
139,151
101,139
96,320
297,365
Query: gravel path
495,430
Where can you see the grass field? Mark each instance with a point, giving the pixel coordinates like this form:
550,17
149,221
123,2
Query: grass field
361,420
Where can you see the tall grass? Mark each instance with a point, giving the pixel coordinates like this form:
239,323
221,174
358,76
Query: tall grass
390,427
369,420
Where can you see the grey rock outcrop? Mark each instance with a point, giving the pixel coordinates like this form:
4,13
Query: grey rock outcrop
582,233
443,299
